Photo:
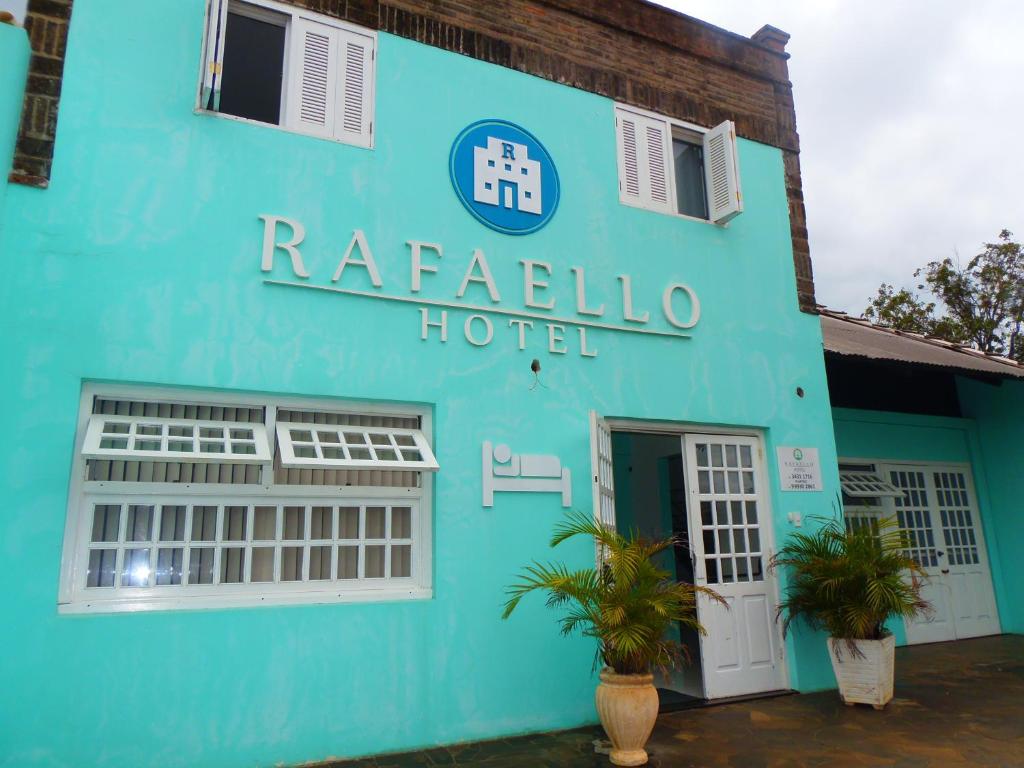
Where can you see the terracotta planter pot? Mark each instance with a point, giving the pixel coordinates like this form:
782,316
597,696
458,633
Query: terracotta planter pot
865,676
628,707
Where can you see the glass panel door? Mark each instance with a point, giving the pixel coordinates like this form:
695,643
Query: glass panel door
730,528
730,525
939,516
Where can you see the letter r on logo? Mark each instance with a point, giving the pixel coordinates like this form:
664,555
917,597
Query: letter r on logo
508,152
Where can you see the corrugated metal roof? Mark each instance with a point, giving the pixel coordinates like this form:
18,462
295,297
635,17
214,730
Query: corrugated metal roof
857,337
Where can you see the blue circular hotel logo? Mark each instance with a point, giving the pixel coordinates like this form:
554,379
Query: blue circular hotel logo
504,177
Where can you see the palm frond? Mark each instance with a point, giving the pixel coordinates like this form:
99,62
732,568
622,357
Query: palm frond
849,583
629,604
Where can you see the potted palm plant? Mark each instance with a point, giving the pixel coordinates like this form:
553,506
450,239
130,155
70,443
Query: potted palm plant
628,605
849,583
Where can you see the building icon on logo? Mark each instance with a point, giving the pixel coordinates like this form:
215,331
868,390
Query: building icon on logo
504,175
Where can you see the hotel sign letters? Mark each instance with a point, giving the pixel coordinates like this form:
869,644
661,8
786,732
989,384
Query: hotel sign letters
536,317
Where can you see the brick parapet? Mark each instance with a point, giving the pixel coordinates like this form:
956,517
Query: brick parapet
46,22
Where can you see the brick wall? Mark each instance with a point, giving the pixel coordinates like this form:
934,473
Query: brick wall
46,22
628,50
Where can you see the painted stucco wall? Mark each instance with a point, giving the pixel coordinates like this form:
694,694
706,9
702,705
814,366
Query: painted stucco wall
898,436
141,263
877,435
998,413
14,56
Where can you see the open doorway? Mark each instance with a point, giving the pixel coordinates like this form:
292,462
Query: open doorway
651,498
709,489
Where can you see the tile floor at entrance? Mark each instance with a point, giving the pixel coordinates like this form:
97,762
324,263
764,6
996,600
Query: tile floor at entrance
957,704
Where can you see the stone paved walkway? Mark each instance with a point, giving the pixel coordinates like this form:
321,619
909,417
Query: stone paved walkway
957,704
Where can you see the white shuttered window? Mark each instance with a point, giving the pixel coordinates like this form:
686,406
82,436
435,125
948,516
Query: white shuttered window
675,168
180,500
865,495
273,63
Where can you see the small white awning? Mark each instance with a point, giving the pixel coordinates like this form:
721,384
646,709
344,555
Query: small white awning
336,446
866,485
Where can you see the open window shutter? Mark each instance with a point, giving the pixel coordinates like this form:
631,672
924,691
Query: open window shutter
140,438
313,78
355,89
722,173
867,485
601,464
643,161
351,447
213,58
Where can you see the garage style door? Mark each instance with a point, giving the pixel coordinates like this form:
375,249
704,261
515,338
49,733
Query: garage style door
939,513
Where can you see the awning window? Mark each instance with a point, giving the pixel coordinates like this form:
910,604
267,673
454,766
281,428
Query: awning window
867,485
149,438
349,447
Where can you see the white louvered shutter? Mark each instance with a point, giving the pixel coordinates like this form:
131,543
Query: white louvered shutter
313,80
355,89
644,154
213,56
722,173
331,83
601,466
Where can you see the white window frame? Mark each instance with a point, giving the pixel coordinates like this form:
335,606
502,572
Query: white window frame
271,11
858,508
670,127
75,597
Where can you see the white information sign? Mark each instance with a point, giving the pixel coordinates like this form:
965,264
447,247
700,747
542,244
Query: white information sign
799,468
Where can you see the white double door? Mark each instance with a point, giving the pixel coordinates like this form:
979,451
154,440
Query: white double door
730,540
939,515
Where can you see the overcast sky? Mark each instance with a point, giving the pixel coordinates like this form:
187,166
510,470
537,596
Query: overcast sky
17,7
910,115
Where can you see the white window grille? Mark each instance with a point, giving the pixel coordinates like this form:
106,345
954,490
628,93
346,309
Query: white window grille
184,503
151,543
857,517
348,447
956,515
658,172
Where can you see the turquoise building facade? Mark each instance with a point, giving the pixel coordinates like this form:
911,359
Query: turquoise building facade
155,268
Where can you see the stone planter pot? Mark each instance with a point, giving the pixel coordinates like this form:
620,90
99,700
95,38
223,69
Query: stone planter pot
628,707
864,676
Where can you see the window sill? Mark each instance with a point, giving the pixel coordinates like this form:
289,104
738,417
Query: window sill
673,215
228,601
281,128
